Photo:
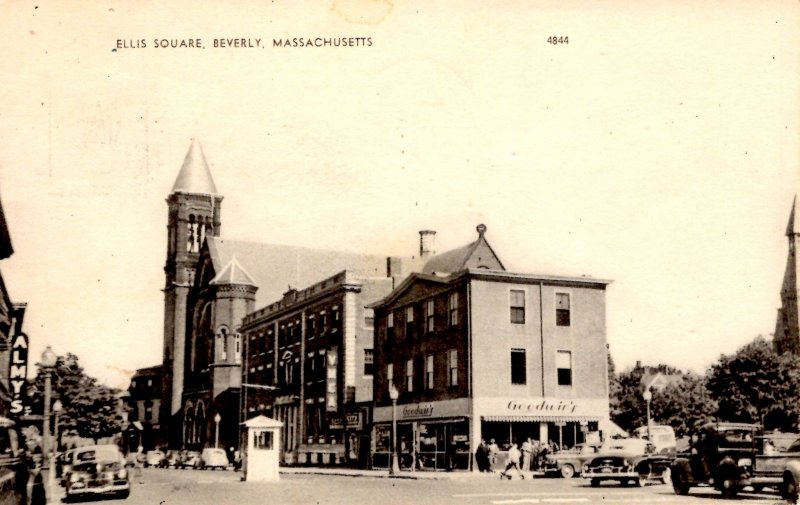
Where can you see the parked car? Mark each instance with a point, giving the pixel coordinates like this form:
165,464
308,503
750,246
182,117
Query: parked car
98,470
721,455
627,461
172,459
662,437
154,458
570,462
214,458
791,473
191,459
22,483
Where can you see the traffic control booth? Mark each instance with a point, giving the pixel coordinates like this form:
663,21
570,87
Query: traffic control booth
261,457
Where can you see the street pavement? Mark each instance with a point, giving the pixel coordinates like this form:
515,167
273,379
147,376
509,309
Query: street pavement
325,487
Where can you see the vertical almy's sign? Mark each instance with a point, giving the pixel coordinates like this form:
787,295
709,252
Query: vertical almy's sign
18,371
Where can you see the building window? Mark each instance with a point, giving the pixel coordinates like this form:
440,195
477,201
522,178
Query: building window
517,306
452,367
148,410
410,375
410,322
310,327
562,309
452,305
429,313
263,440
390,325
564,368
323,323
518,372
429,371
369,361
390,374
237,348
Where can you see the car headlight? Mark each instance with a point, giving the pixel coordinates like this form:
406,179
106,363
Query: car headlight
744,462
74,477
122,473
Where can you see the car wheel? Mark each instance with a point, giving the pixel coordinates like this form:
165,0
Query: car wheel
641,481
680,484
728,488
124,494
789,488
595,482
567,471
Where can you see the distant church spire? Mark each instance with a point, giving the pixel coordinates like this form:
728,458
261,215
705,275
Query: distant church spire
787,326
790,228
195,176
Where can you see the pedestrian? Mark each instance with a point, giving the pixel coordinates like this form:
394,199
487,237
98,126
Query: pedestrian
139,463
513,462
482,457
527,449
493,450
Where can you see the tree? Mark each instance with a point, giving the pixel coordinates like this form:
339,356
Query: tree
89,409
755,384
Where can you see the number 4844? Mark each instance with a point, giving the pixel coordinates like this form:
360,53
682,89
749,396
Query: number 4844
557,40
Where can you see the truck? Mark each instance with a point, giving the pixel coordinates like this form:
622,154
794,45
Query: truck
731,456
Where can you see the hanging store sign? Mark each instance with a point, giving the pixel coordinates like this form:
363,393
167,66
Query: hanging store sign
353,420
332,361
17,372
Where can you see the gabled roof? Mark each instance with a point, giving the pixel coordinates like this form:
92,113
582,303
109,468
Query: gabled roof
195,176
233,273
273,268
262,422
477,254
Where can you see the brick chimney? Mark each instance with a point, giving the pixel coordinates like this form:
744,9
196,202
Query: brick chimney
426,244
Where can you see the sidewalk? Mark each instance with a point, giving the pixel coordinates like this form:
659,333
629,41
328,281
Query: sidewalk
404,474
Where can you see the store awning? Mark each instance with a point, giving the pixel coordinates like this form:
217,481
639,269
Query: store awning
540,419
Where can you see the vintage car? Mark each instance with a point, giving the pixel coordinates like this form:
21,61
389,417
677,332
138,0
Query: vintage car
569,462
721,455
154,458
627,461
213,459
191,459
791,473
172,459
98,470
662,437
22,484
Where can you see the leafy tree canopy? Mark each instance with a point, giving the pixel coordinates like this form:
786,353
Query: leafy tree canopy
89,408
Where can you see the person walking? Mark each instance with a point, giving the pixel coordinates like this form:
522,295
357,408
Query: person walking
513,462
482,457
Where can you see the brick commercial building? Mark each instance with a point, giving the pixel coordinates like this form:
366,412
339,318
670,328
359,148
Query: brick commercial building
309,359
212,283
478,352
143,406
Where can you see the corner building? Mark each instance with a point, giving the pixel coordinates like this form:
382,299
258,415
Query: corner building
478,352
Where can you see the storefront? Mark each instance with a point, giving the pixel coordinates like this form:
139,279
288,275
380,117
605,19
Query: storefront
430,436
557,422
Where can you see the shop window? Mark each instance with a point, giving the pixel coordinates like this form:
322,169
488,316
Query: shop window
410,322
518,366
562,309
429,371
564,368
429,314
369,361
410,375
452,367
517,306
452,305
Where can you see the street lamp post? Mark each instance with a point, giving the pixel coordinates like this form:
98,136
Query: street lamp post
57,406
48,364
393,394
647,397
217,419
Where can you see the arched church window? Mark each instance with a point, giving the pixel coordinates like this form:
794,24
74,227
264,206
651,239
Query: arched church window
188,425
192,235
222,341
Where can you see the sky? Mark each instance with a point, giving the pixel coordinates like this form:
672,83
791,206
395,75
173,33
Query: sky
657,148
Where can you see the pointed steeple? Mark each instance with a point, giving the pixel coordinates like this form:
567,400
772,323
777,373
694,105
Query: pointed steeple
790,228
195,176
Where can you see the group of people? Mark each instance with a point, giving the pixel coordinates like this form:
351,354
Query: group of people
528,456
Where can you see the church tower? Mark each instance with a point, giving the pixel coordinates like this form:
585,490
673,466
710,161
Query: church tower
193,213
787,328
